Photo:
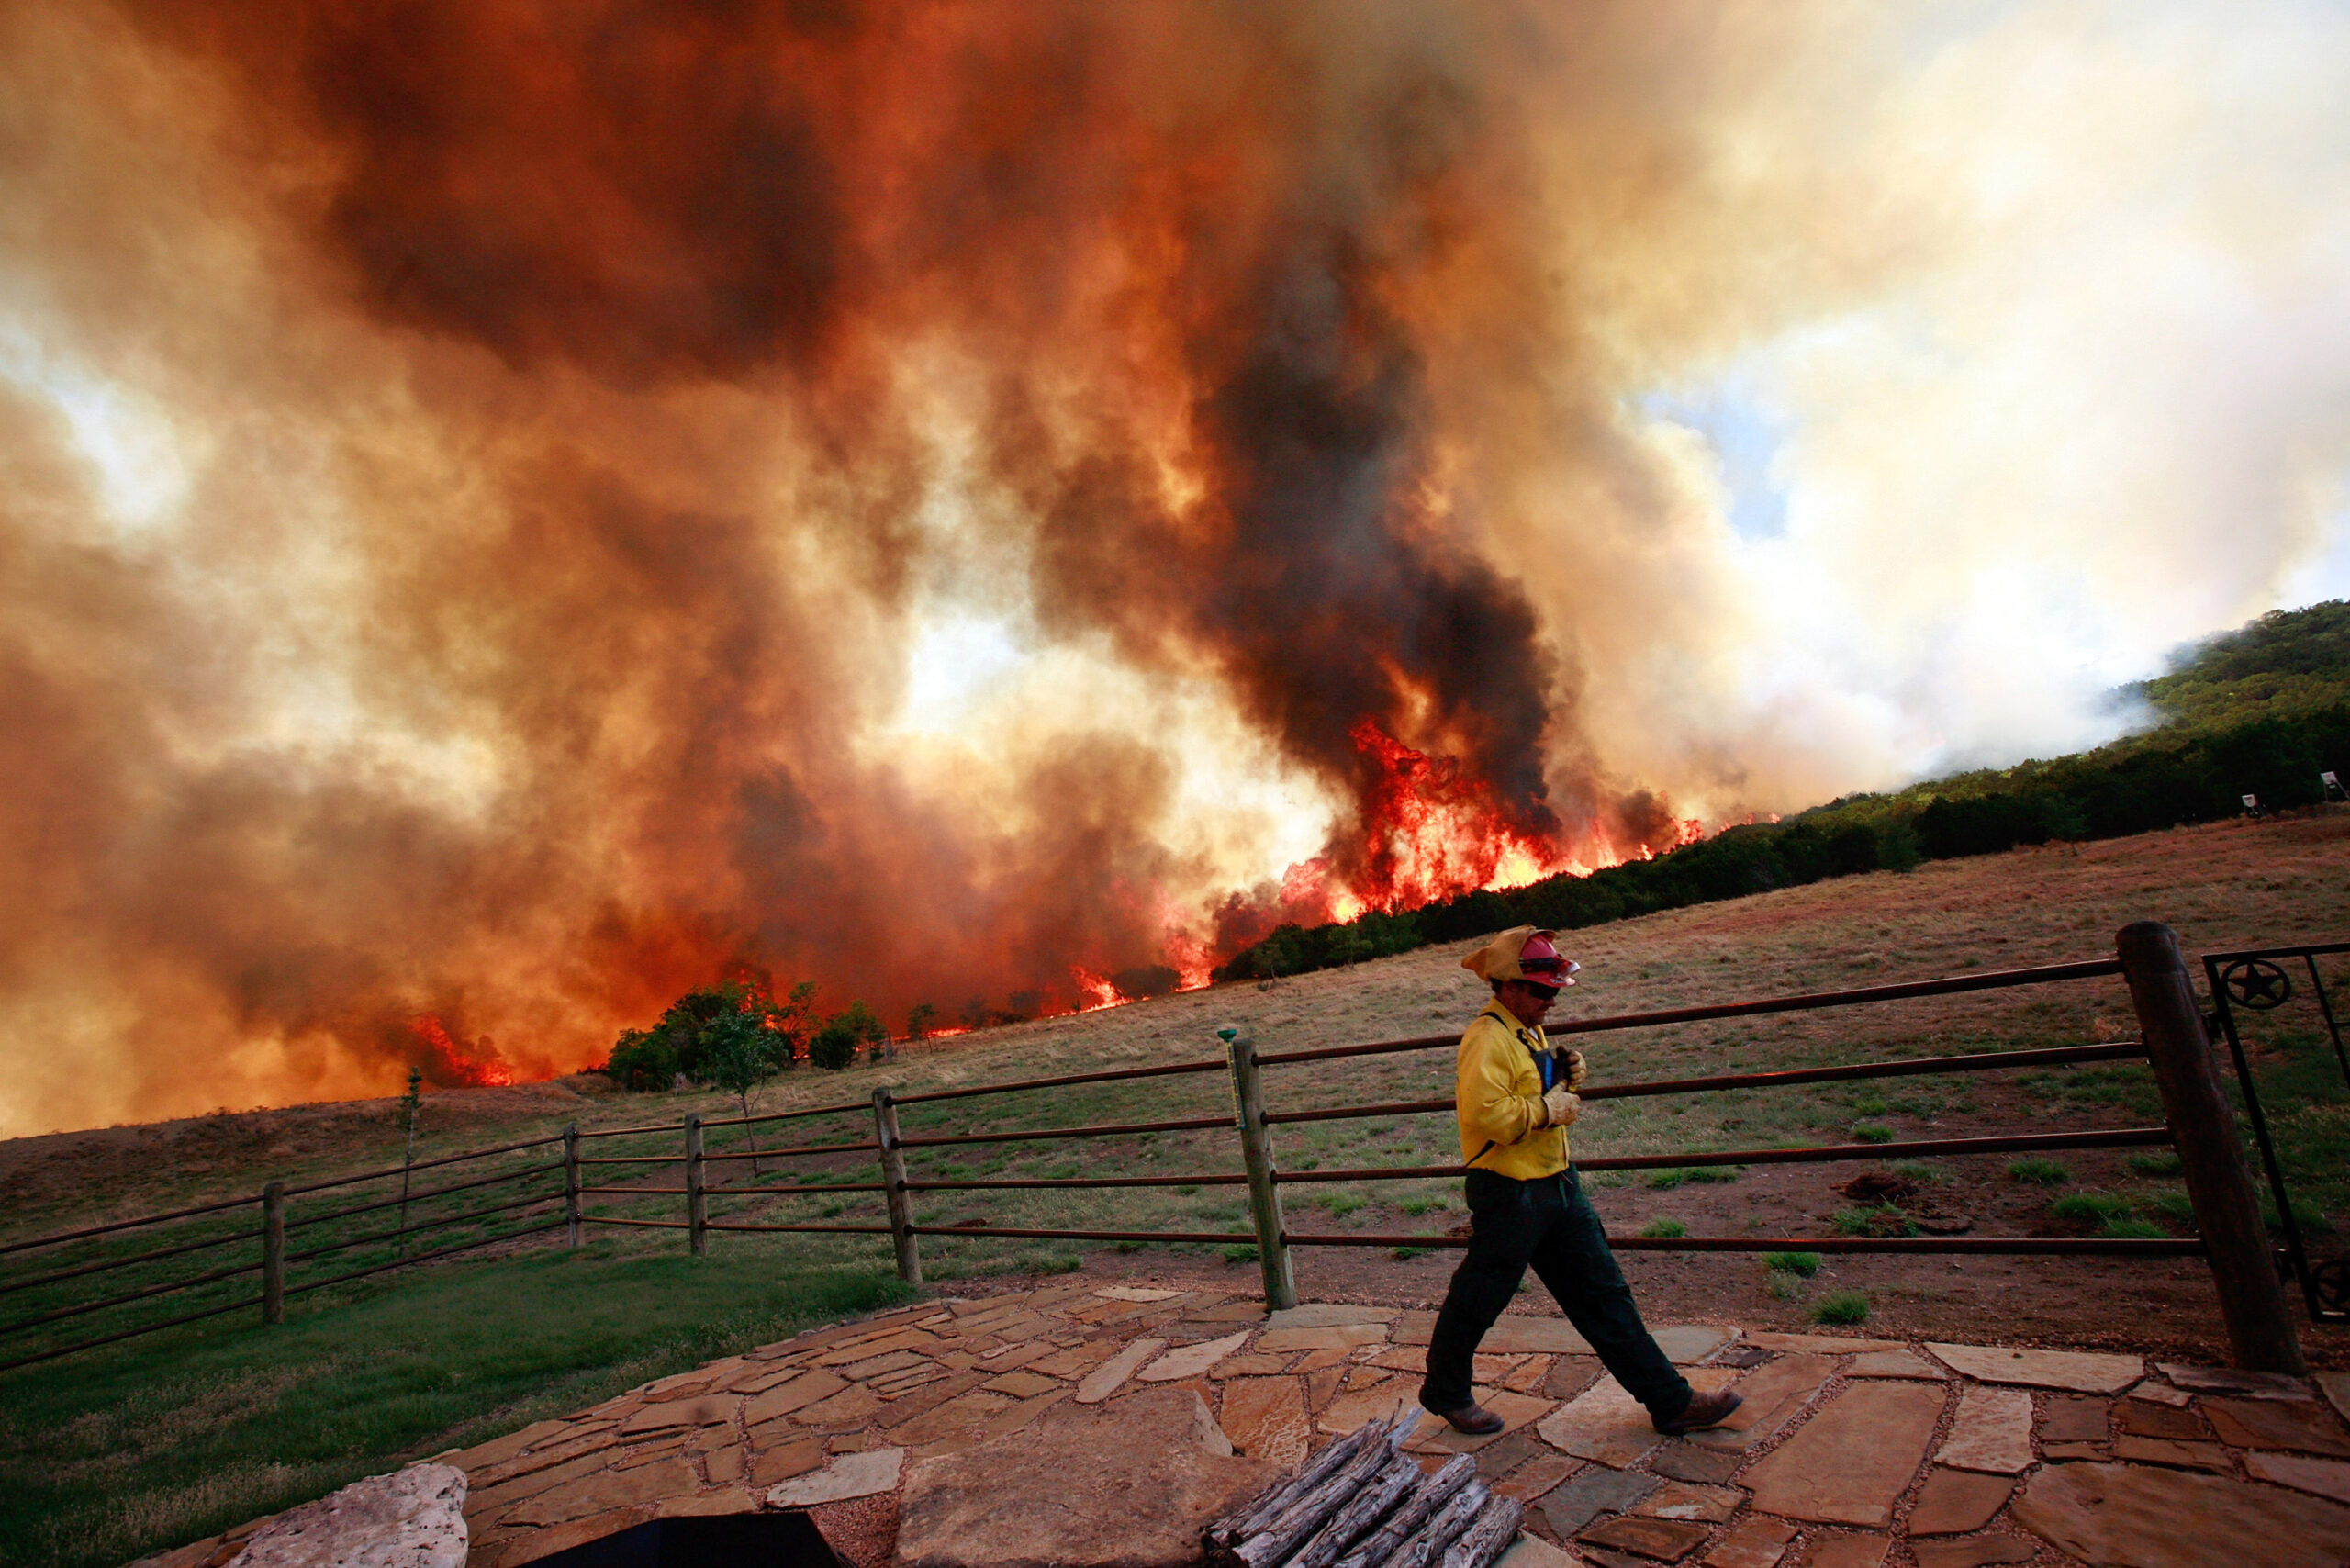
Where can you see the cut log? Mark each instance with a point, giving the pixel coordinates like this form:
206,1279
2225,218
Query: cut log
1417,1509
1355,1520
1303,1517
1428,1544
1261,1511
1494,1528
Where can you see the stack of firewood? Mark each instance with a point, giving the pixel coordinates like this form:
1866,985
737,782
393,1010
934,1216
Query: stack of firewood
1362,1502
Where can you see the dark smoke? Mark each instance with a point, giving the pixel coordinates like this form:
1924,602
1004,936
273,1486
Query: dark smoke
641,496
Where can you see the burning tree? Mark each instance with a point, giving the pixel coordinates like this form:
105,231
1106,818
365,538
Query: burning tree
733,1036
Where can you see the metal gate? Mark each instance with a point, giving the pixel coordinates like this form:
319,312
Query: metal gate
2248,988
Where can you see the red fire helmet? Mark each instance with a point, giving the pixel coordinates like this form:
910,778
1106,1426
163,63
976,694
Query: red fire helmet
1540,962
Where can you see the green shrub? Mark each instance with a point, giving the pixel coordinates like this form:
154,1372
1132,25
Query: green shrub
2155,1162
1405,1254
1675,1176
2038,1171
1240,1252
1872,1132
1340,1204
1868,1106
2133,1229
835,1045
1782,1287
1665,1229
1842,1309
644,1059
2175,1207
1884,1219
1804,1264
1917,1171
1421,1205
2096,1207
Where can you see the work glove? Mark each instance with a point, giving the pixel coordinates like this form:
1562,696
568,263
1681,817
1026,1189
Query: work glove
1571,1068
1560,1107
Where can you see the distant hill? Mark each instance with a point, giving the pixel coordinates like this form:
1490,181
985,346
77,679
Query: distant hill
2288,663
2261,711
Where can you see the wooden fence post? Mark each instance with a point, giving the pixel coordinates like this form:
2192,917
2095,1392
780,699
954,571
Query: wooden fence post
571,1186
697,1206
272,1253
893,1179
2219,1180
1264,1196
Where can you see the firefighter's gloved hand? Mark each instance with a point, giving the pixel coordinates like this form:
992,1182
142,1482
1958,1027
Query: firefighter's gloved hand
1560,1107
1571,1070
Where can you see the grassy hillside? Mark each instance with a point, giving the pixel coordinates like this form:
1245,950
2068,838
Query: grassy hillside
2228,883
2262,710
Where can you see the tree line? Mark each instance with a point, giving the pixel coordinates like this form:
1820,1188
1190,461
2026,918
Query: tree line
737,1035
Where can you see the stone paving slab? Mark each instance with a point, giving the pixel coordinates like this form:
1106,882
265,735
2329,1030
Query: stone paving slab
1955,1502
1991,1431
2129,1514
2072,1370
1849,1464
1903,1363
1944,1455
2320,1477
2308,1428
2227,1379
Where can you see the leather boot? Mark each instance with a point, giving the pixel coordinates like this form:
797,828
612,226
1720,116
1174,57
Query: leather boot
1705,1410
1473,1418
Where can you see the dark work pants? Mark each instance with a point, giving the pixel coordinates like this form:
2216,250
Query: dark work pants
1550,1225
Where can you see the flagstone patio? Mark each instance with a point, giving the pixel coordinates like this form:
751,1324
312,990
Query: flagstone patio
1848,1452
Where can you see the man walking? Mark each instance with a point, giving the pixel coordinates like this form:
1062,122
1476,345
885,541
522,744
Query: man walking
1515,1098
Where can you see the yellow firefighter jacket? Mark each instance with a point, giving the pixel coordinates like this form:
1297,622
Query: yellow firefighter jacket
1498,1097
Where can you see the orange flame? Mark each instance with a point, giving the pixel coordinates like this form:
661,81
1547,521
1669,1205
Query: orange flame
1094,991
1434,831
1190,957
454,1062
1431,830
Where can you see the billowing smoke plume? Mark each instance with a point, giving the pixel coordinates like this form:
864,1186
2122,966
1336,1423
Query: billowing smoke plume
514,509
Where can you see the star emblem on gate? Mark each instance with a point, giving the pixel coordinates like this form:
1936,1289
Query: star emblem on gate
2257,984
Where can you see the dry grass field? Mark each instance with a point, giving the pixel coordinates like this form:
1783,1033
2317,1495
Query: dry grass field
2225,885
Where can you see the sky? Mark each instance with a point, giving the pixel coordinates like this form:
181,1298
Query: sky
513,510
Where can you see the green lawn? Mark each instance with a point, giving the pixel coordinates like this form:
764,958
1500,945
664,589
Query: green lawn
115,1452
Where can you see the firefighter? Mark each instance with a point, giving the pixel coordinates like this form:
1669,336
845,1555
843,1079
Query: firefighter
1515,1098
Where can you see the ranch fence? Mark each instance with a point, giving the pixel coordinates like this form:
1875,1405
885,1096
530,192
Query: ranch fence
569,1181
